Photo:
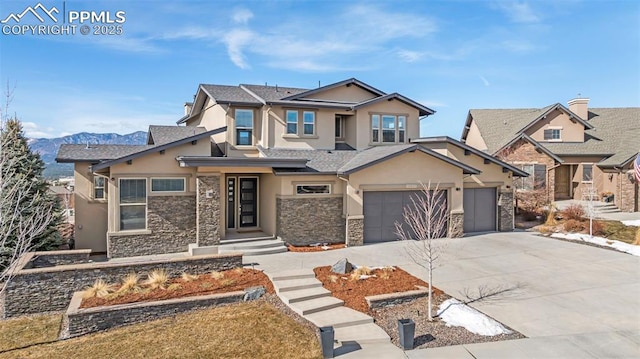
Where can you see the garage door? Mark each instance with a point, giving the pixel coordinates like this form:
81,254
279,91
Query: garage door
479,209
381,211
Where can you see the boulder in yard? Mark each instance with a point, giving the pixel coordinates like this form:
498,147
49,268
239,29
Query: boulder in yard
342,267
253,293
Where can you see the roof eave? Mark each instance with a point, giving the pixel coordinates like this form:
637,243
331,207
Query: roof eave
202,161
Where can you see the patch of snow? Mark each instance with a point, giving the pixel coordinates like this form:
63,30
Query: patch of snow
620,246
632,222
364,276
457,314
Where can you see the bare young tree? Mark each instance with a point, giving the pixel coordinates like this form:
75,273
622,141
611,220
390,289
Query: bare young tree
426,220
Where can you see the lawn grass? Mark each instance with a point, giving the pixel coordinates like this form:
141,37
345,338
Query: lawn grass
246,330
618,231
25,331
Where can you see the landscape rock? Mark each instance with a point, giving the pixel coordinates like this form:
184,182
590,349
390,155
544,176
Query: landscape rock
342,267
254,293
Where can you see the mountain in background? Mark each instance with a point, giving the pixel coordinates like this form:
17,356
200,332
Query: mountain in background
48,148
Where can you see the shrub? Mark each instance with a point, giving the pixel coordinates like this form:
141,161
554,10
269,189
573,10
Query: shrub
531,201
174,286
528,215
100,289
637,240
573,225
227,282
333,278
574,211
189,277
545,229
157,279
238,270
364,270
551,216
217,275
130,283
598,228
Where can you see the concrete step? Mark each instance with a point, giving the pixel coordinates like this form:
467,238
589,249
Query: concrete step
292,274
301,295
246,240
362,334
255,251
338,318
265,243
607,210
287,285
316,305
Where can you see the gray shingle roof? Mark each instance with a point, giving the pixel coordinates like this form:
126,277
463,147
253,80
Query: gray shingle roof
159,135
96,153
229,94
273,93
320,161
615,133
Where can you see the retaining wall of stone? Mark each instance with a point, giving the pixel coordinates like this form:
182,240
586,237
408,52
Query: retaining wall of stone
38,290
389,300
80,321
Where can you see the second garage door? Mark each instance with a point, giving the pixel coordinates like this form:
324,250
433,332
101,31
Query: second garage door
479,209
381,211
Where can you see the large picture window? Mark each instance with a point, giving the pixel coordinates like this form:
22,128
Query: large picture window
244,127
537,177
98,188
133,204
393,128
167,185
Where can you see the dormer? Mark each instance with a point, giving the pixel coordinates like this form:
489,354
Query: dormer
557,124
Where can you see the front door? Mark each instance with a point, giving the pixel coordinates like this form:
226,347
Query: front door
248,210
562,182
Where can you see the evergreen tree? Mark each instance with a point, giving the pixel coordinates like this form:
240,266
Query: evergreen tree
29,214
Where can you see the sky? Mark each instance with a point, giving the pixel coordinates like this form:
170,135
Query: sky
448,55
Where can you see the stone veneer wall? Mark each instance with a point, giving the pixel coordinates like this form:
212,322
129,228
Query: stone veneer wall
456,223
171,221
524,152
48,289
208,212
306,220
58,258
88,320
505,211
355,232
627,193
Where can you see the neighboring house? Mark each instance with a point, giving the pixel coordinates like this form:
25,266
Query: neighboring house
333,164
573,153
66,198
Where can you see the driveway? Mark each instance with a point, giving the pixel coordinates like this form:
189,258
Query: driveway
556,288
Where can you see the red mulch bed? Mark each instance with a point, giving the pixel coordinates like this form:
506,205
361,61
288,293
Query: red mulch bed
352,292
315,248
233,281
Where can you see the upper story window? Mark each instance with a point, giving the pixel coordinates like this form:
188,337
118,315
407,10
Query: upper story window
393,128
552,134
244,127
98,188
587,173
308,124
339,127
167,185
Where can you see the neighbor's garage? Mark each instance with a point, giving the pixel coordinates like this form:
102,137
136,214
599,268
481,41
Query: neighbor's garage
381,211
480,209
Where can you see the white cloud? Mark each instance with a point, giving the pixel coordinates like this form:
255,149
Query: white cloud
241,16
484,81
409,56
236,40
521,46
33,130
517,11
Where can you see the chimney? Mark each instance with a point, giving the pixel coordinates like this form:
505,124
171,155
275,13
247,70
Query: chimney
580,106
187,107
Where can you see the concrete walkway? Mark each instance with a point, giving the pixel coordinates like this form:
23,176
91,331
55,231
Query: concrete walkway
570,298
355,333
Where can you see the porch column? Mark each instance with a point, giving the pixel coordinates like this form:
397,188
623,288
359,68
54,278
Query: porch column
208,210
505,211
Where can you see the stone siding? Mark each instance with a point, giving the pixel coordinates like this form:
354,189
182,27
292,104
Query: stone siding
89,320
171,221
456,223
58,258
303,221
49,289
627,192
524,152
208,213
355,232
505,211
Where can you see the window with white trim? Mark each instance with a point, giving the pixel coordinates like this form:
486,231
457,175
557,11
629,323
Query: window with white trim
98,187
300,123
168,185
292,122
388,128
244,127
133,203
310,189
552,134
308,123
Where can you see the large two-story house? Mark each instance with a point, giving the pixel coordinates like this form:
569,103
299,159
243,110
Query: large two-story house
573,152
333,164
